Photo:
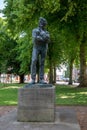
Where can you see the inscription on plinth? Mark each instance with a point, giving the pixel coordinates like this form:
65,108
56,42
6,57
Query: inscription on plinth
36,103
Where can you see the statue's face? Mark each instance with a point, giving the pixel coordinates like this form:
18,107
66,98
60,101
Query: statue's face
42,22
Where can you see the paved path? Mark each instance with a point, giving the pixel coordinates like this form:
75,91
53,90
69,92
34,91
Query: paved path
65,119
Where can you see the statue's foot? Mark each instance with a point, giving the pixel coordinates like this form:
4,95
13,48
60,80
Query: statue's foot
32,82
42,82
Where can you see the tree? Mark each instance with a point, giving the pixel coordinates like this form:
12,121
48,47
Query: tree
74,19
15,15
81,29
8,53
60,15
83,63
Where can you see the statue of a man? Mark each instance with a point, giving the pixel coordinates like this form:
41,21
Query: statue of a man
40,44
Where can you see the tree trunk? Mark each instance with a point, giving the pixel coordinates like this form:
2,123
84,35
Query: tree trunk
83,69
54,74
70,71
21,78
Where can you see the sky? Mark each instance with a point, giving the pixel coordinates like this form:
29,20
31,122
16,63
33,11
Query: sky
1,6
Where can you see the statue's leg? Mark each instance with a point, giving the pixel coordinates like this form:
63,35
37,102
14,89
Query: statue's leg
33,64
42,60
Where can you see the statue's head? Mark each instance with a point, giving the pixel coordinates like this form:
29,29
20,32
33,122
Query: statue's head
42,22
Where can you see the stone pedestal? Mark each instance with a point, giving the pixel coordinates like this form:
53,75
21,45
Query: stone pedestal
36,103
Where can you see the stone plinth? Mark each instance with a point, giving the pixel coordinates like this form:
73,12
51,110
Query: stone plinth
36,103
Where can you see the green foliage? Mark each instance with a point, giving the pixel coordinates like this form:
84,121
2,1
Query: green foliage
51,6
6,48
67,24
15,50
8,51
24,50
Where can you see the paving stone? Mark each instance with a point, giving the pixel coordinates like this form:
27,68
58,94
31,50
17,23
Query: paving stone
65,120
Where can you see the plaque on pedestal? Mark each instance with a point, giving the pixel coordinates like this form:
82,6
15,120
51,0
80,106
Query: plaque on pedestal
36,103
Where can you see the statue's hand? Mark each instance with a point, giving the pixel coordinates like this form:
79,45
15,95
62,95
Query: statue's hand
46,37
39,38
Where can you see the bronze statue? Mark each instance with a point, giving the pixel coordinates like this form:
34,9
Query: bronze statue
40,38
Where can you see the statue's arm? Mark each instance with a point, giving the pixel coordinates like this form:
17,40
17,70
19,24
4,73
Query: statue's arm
47,38
36,36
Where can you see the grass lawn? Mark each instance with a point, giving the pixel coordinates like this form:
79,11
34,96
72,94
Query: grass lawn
70,95
9,94
65,95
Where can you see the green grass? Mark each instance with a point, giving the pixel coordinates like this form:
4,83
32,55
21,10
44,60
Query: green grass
70,95
65,95
9,94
